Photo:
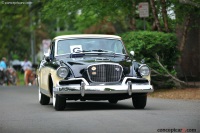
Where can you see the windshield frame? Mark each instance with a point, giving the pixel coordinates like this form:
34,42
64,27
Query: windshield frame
92,52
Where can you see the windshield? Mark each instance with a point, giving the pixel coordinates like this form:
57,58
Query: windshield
89,45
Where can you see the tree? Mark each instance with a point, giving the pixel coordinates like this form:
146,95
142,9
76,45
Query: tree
14,33
16,28
164,14
186,11
94,11
155,14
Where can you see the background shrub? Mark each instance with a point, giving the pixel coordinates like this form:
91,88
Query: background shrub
146,44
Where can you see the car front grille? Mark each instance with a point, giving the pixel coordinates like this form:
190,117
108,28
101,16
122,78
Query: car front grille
105,72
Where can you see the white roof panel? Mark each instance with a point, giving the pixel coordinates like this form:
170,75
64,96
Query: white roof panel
87,36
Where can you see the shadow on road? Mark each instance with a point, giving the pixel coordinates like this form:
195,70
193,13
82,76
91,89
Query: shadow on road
95,106
90,106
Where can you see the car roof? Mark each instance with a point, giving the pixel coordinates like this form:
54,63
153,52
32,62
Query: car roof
87,36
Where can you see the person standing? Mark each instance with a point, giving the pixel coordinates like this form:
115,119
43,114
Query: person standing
27,68
3,63
26,65
3,67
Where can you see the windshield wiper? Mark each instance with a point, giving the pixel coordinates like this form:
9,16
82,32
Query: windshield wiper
82,51
94,50
101,50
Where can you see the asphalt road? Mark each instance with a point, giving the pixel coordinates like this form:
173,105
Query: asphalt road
20,112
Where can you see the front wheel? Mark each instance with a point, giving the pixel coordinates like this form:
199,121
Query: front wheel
58,102
139,100
43,99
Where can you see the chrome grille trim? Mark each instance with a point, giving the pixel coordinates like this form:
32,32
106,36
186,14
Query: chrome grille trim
105,72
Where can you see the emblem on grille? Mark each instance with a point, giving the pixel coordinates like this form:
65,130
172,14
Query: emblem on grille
117,69
93,68
94,73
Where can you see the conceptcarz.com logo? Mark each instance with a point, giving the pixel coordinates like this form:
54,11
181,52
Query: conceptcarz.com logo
174,130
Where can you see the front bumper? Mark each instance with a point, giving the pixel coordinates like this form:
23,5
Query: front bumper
85,88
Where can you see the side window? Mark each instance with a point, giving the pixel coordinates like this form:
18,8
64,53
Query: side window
118,47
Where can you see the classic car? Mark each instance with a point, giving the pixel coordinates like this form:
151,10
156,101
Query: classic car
91,67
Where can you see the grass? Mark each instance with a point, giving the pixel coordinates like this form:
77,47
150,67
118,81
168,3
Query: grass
21,78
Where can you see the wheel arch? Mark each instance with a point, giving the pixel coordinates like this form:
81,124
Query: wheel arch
50,84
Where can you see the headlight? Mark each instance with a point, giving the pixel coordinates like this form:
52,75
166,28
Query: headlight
144,70
62,72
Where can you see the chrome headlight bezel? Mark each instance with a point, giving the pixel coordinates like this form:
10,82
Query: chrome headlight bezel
62,72
144,70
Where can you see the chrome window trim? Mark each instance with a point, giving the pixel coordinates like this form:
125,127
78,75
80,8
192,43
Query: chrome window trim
57,40
87,36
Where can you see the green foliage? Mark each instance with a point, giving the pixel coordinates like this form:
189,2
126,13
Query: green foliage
66,33
14,35
78,15
74,16
21,78
146,44
89,19
185,8
81,14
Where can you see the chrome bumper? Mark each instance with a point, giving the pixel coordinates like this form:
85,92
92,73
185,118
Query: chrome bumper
85,88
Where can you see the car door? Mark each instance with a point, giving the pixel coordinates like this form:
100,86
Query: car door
43,75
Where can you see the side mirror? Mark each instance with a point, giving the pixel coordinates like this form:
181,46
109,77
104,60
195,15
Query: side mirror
132,53
142,61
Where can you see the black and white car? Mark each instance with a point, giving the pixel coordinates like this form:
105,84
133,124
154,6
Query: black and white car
91,67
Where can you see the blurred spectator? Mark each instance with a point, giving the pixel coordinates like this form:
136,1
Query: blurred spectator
3,63
12,76
26,65
29,75
3,66
16,64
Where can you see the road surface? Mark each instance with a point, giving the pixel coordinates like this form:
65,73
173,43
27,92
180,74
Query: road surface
20,112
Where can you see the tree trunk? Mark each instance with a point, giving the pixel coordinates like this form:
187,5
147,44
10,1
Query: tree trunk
154,27
152,2
168,74
184,35
185,31
132,22
164,15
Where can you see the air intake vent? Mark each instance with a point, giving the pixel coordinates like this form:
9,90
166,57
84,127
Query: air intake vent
102,59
